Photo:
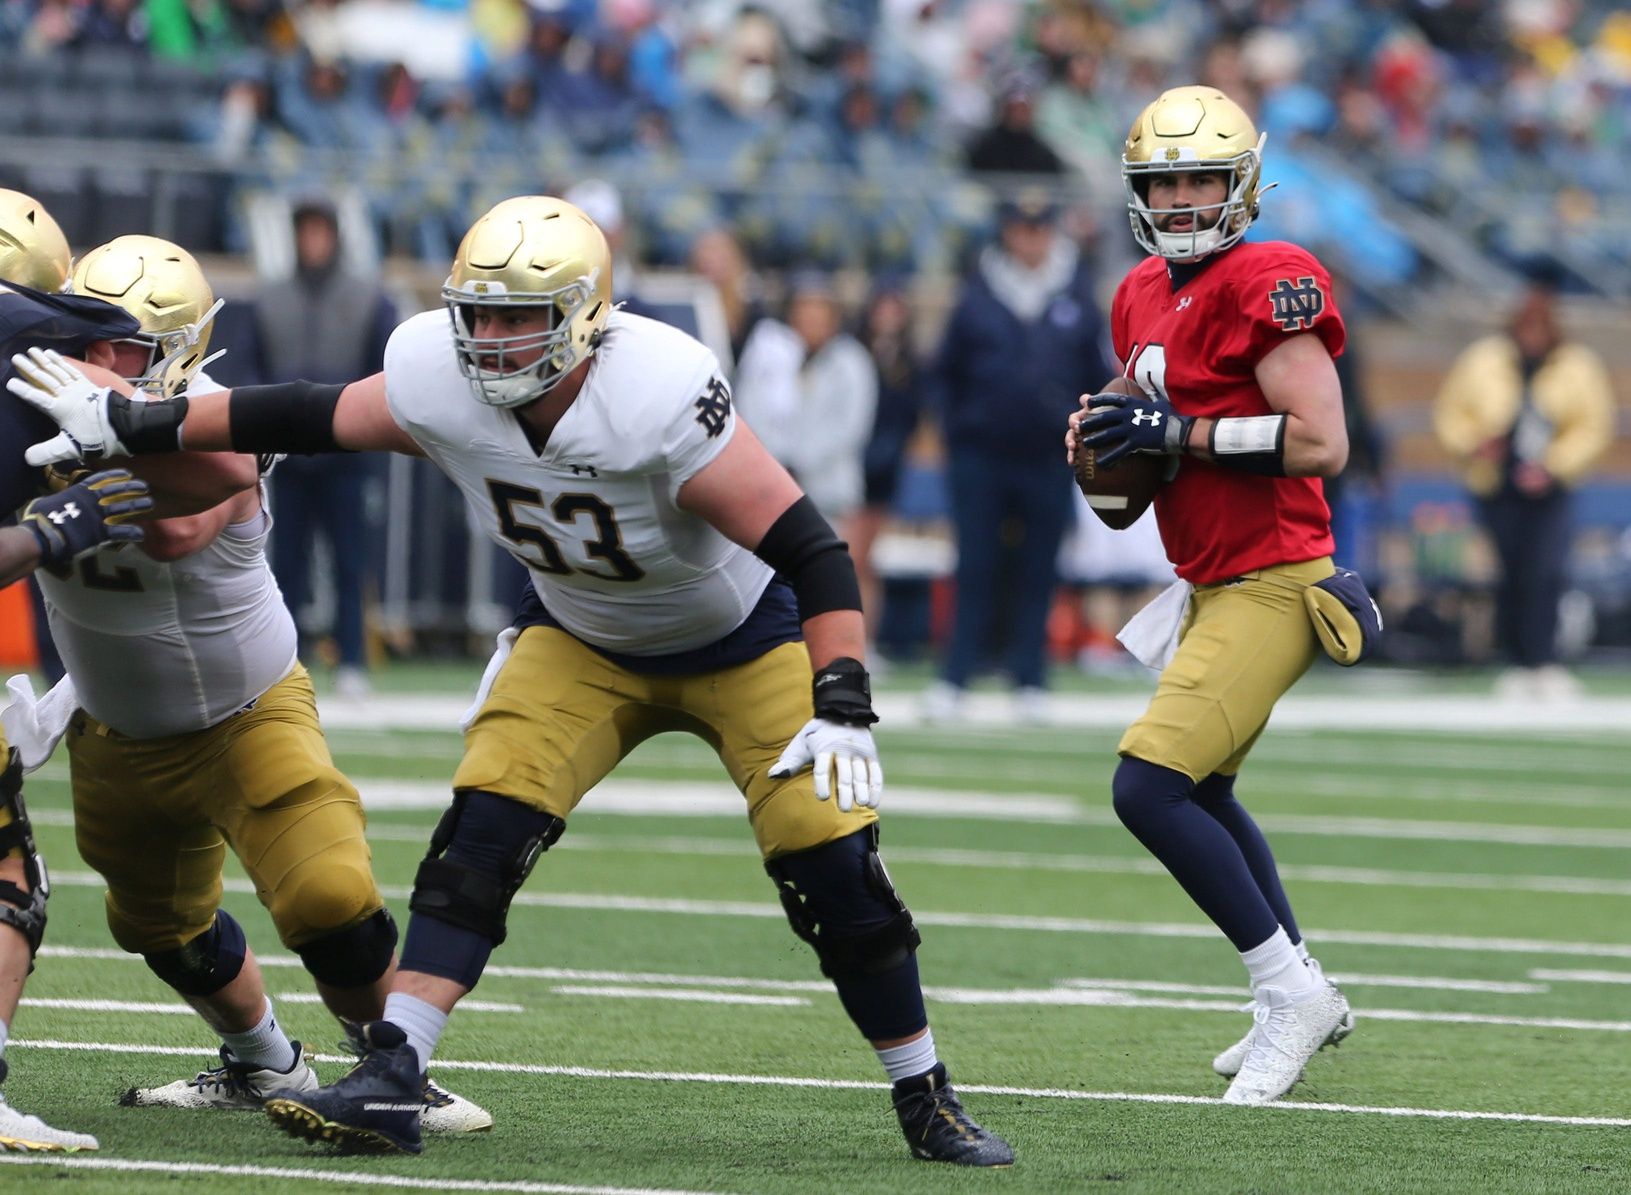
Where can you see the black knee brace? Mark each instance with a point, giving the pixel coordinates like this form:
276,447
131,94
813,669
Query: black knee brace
481,852
22,909
354,956
208,963
839,899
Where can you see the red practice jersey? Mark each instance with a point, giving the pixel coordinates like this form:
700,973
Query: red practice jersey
1199,345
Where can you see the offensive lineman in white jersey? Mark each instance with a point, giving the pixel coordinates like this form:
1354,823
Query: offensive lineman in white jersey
675,568
198,730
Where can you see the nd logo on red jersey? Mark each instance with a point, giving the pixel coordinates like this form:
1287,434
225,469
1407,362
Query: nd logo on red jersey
1295,306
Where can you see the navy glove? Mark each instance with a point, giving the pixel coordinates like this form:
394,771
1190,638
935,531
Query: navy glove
84,516
1116,424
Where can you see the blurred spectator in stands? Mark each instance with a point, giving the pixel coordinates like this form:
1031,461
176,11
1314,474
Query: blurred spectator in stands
117,24
1024,340
886,333
597,102
730,128
328,326
318,108
1010,145
653,41
810,391
1527,412
718,256
1075,120
602,202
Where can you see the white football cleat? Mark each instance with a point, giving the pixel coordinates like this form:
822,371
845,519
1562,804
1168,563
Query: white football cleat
234,1085
1228,1063
30,1134
1288,1032
445,1112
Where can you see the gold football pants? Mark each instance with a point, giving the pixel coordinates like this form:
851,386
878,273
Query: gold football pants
1245,643
561,716
155,818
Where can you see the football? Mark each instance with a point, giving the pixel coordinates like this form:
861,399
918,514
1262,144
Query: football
1121,493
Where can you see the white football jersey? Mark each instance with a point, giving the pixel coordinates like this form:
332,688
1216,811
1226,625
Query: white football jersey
593,516
159,649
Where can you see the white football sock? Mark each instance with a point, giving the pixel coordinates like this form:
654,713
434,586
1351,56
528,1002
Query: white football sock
5,1034
1275,964
1302,950
266,1045
422,1021
910,1060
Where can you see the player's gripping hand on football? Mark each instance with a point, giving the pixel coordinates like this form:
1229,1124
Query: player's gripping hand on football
1117,424
96,421
838,741
82,517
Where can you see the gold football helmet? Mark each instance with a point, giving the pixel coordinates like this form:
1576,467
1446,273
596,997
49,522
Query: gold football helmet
160,284
33,251
1199,130
530,251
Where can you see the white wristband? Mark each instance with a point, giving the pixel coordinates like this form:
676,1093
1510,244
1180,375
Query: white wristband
1248,435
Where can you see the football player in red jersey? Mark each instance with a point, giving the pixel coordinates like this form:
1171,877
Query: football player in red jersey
1232,344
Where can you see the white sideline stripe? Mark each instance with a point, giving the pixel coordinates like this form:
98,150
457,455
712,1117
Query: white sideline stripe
347,1177
314,998
1581,976
585,1072
696,995
1061,925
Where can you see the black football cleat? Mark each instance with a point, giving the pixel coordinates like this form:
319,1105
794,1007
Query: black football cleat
939,1130
374,1108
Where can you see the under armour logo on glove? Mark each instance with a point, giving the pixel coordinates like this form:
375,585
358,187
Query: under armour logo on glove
85,516
1114,428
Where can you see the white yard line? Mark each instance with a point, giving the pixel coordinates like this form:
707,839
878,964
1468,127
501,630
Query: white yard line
694,995
1619,977
1001,921
360,1178
585,1072
1086,864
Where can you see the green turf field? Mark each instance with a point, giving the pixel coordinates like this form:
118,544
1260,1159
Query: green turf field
652,1024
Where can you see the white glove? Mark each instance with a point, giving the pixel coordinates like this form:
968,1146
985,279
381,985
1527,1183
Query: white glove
835,747
76,404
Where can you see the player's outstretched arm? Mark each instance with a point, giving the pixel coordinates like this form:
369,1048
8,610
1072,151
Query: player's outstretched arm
99,420
76,520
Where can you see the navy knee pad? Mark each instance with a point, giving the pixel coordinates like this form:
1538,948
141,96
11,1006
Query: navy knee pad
352,957
482,850
839,899
208,963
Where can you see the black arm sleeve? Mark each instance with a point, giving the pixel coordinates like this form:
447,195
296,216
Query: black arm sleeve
286,417
802,546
